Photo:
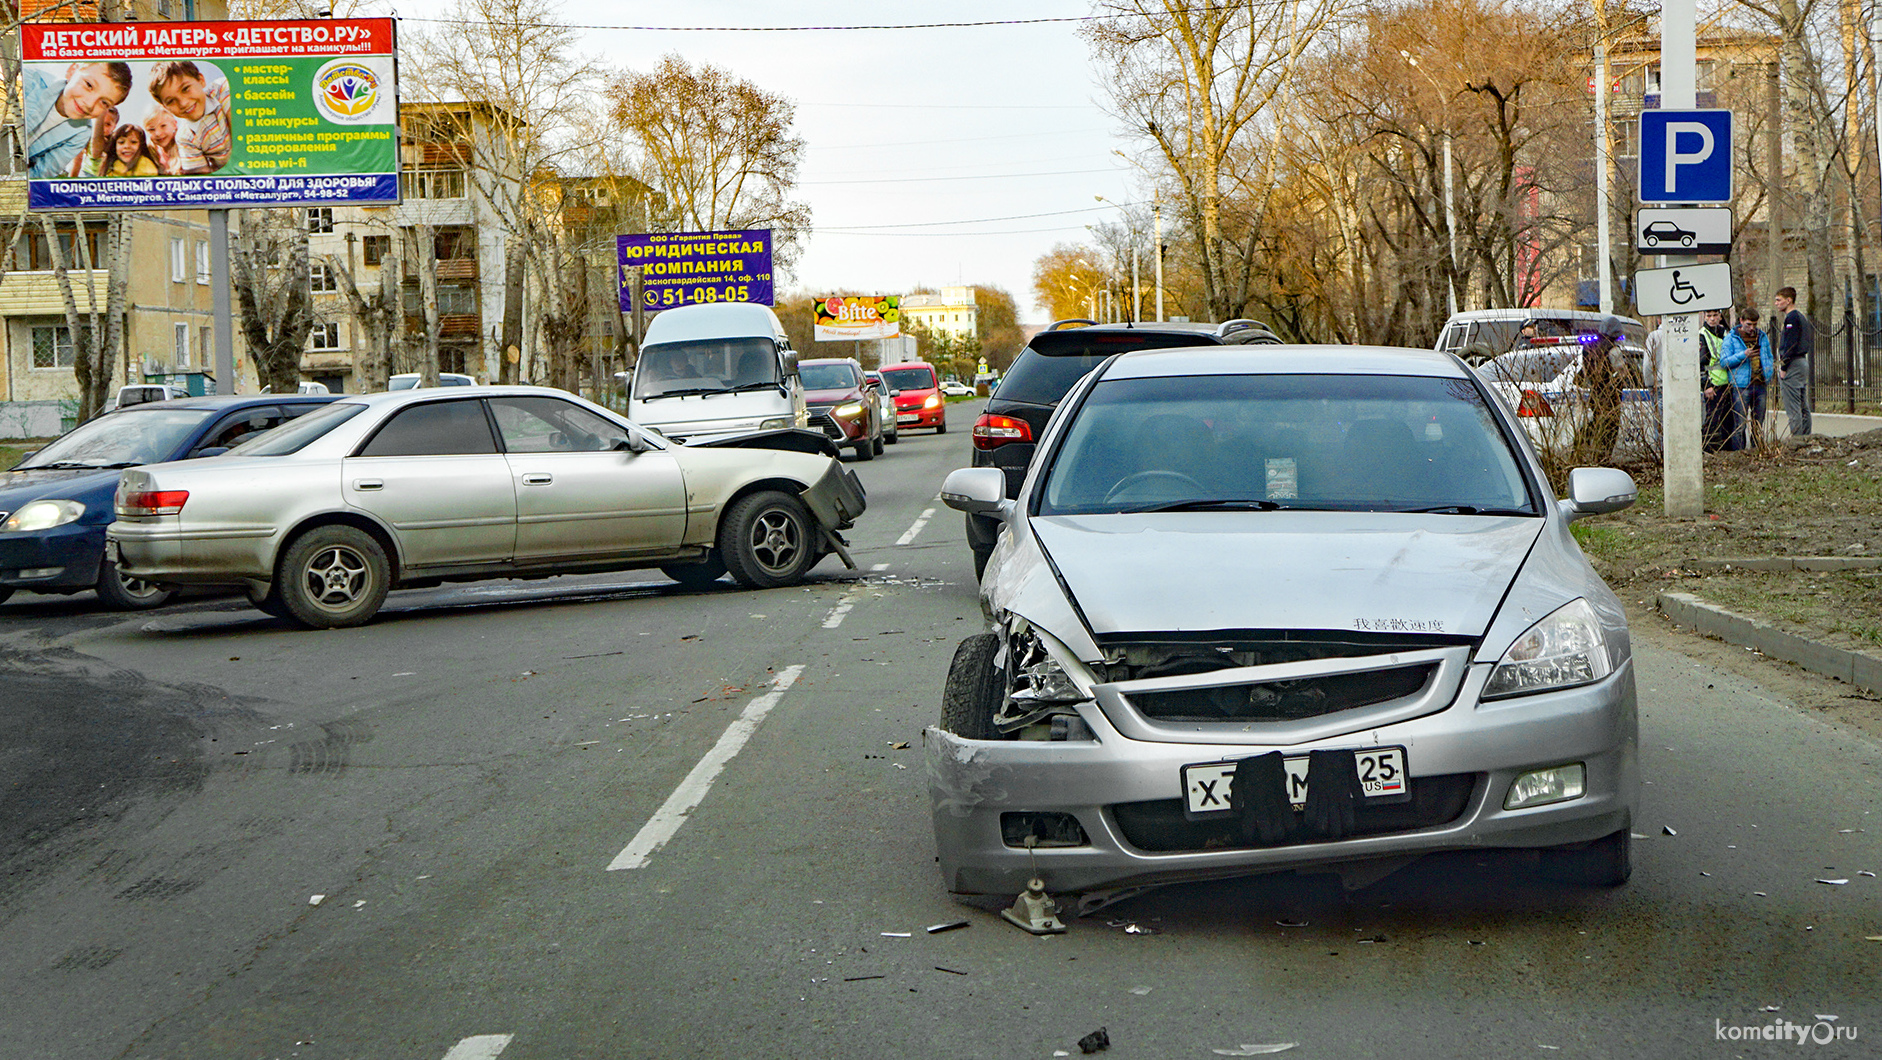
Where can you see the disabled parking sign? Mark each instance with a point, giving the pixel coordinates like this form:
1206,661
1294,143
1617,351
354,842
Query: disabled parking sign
1683,289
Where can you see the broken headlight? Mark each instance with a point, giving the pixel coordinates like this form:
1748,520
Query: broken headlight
1041,702
1561,651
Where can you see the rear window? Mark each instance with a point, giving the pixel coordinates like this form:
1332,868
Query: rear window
1054,360
910,378
297,434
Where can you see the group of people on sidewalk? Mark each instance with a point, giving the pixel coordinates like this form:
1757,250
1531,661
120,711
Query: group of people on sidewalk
1737,369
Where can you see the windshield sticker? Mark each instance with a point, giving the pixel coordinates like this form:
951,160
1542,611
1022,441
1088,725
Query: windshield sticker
1283,479
1399,625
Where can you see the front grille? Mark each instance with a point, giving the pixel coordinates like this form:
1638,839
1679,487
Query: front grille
1306,697
820,419
1135,656
1159,826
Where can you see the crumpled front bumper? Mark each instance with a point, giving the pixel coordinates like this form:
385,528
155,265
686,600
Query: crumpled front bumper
973,782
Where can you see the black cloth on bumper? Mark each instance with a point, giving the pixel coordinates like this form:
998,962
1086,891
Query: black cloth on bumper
1332,795
1258,796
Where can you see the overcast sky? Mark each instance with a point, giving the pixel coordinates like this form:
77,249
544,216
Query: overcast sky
991,125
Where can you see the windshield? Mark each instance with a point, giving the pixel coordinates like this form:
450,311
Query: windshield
293,436
827,376
1055,360
122,439
706,366
910,378
1326,442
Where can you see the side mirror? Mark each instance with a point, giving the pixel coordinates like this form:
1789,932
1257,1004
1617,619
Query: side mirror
895,393
628,444
975,490
788,359
1597,491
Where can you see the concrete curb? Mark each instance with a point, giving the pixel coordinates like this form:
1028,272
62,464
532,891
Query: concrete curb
1776,563
1850,667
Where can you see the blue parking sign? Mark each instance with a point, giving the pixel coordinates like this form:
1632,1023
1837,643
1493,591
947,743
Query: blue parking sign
1685,156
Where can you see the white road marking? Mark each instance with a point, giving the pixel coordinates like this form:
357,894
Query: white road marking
878,568
920,521
666,821
842,608
479,1047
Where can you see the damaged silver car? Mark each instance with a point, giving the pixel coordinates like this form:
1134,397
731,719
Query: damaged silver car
1264,608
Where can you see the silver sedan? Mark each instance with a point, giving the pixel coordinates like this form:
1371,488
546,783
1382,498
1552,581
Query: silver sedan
318,519
1267,607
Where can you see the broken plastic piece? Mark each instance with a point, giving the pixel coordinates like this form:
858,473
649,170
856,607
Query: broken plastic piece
1834,883
1865,872
1872,938
1097,1041
1256,1049
1035,911
1668,830
950,971
316,899
1138,929
952,925
861,978
1140,991
1292,923
902,746
898,934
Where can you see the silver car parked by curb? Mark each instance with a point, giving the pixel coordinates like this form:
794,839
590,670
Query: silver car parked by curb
317,520
1278,607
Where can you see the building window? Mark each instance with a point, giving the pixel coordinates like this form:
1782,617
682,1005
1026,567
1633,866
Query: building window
456,301
206,337
182,345
321,279
320,219
431,184
178,260
202,262
376,248
52,347
455,244
326,336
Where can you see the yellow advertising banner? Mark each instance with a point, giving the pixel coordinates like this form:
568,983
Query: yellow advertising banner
857,316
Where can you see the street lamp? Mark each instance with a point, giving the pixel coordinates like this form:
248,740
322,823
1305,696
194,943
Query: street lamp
1156,209
1136,297
1450,214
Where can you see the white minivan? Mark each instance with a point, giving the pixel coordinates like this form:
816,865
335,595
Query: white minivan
710,370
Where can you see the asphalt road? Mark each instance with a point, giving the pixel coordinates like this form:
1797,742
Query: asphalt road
455,780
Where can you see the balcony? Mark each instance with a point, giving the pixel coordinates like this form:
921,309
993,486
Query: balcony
458,269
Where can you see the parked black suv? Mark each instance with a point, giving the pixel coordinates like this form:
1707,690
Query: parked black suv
1016,414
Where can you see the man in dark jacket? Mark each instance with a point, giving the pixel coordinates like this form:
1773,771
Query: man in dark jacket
1793,360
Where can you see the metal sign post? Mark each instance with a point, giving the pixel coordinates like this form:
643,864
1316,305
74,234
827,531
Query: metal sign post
219,286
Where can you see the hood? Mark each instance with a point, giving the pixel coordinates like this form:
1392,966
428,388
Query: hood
1360,571
711,414
832,397
18,487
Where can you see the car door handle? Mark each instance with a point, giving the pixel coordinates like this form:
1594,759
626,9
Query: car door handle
538,478
368,484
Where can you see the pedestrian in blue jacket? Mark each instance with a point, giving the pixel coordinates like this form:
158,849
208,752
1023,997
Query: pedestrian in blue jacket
1747,359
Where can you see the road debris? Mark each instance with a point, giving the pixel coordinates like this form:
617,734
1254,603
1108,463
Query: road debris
952,925
898,934
316,899
1872,938
1668,829
1095,1042
1140,991
1761,894
1835,883
1138,929
1256,1049
863,978
950,971
1373,939
901,745
1291,923
1035,911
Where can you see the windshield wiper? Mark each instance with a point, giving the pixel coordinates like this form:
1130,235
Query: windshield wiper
1238,505
76,465
1461,509
686,392
768,385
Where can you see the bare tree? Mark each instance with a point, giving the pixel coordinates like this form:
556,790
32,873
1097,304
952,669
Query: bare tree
269,257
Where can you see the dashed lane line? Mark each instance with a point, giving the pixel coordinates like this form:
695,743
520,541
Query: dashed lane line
842,609
920,521
479,1047
667,819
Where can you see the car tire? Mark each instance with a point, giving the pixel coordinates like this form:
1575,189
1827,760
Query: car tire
942,427
768,540
118,593
878,446
865,450
697,575
332,577
974,689
891,437
1606,862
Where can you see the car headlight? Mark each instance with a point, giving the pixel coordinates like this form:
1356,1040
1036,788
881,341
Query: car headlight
776,423
43,515
933,402
1561,651
854,408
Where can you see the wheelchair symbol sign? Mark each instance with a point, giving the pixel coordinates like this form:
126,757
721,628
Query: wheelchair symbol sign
1683,289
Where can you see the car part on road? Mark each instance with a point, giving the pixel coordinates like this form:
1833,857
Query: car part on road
1095,1042
1035,911
333,576
120,593
767,540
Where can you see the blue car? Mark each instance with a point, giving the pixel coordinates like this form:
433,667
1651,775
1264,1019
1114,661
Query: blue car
55,505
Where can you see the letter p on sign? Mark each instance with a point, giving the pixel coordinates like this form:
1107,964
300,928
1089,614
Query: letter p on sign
1685,156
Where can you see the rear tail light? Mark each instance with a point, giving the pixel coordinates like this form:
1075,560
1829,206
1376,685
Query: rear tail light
153,502
992,432
1534,404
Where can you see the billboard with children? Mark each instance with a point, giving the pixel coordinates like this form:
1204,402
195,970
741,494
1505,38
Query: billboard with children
120,116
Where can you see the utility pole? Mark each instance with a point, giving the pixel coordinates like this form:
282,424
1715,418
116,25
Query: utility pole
1156,209
1603,242
1682,463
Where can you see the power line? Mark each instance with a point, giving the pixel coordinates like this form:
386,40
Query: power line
974,221
790,29
956,106
982,176
940,235
960,140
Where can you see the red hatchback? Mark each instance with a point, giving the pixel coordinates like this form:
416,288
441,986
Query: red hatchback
920,402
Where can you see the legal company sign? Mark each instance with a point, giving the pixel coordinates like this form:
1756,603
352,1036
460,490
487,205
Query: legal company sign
688,268
1685,156
132,116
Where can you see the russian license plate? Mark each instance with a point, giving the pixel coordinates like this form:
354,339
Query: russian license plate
909,417
1381,777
